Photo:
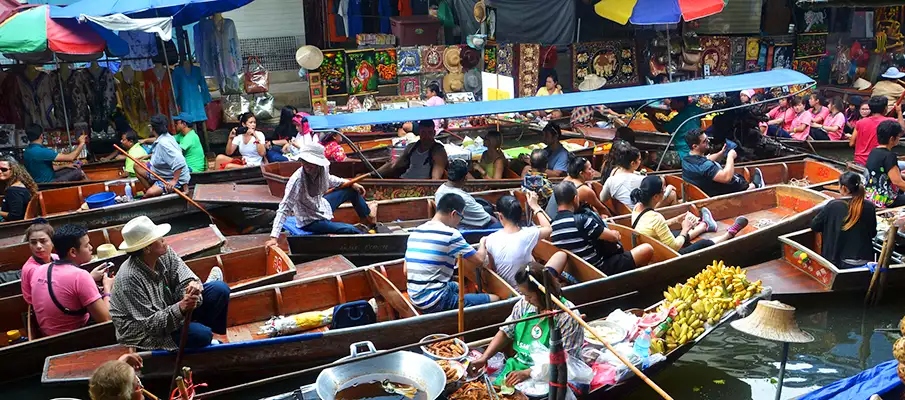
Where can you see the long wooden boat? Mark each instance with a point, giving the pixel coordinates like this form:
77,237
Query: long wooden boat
791,208
113,170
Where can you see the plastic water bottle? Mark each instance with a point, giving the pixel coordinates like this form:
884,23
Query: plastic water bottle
642,347
128,190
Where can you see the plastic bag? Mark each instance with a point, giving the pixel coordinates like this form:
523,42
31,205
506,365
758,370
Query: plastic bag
257,78
278,326
262,106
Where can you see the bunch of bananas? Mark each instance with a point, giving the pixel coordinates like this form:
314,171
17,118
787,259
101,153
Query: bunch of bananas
704,299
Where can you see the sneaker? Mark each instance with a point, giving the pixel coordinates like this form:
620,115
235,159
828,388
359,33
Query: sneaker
758,178
707,218
216,275
740,223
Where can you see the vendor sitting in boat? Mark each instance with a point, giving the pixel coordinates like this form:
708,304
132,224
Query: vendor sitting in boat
475,215
700,168
156,290
430,260
424,159
39,160
167,162
248,141
306,197
526,335
557,155
847,225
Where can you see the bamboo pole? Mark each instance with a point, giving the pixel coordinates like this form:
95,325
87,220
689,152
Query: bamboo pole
348,183
183,339
459,265
878,279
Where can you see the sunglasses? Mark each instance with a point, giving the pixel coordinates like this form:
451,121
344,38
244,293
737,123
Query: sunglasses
4,169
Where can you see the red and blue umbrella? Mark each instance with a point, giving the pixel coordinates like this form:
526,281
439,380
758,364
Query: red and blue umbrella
32,31
651,12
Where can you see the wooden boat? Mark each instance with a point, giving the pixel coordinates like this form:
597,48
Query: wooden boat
113,170
186,245
791,206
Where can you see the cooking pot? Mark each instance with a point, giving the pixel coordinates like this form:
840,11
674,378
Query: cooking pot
401,367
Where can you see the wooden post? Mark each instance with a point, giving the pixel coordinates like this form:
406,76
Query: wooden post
461,294
878,279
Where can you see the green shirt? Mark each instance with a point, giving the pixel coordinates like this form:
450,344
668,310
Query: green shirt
194,153
136,151
679,136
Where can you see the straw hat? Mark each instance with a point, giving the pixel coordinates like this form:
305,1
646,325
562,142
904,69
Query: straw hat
591,82
313,153
453,82
107,250
480,12
773,320
470,58
451,59
140,233
861,84
309,57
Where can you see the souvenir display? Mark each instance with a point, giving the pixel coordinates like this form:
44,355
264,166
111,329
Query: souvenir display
528,69
428,79
806,66
782,56
386,66
454,82
451,59
490,61
504,59
716,54
613,60
316,88
409,86
333,72
752,53
408,61
473,81
362,71
431,58
811,20
811,45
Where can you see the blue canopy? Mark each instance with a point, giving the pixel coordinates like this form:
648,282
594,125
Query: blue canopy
778,77
183,11
877,380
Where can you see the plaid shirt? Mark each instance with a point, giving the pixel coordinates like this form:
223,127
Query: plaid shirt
144,305
306,203
537,182
584,114
572,332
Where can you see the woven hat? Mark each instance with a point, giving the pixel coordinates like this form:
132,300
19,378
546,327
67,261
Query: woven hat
453,82
591,82
313,153
140,232
309,57
773,320
472,80
451,59
107,250
480,12
861,84
470,58
893,73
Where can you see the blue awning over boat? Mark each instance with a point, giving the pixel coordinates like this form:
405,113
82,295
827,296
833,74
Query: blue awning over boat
778,77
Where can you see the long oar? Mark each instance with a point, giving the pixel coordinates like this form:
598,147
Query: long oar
348,183
183,339
227,227
588,328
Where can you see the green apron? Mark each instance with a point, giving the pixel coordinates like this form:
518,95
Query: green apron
526,333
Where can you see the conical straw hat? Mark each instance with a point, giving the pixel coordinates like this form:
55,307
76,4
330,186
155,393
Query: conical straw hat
773,320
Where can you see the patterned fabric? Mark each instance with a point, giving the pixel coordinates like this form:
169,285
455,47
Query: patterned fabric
333,72
145,307
59,112
752,53
432,59
430,259
159,96
716,54
78,88
11,110
584,114
37,98
334,152
141,48
505,59
537,182
806,66
386,66
408,61
304,198
572,332
132,101
218,53
103,98
611,59
490,59
528,69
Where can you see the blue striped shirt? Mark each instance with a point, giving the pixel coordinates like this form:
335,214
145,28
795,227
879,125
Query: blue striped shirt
430,260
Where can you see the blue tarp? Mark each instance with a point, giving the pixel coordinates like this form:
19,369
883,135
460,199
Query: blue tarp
183,11
779,77
877,380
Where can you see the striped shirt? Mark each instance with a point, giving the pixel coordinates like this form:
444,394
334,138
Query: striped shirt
567,237
430,260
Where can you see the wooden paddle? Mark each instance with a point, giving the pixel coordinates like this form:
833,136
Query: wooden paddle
878,279
349,183
227,227
183,339
459,265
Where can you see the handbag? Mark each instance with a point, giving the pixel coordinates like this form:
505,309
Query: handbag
262,106
233,106
257,78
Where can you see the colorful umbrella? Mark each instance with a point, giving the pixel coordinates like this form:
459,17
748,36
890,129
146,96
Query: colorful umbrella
33,31
650,12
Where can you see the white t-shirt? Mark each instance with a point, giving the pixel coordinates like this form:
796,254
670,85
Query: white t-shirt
249,151
512,251
620,187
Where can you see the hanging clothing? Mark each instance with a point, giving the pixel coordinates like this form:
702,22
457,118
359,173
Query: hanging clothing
191,92
355,21
159,96
217,48
132,102
59,114
79,94
141,48
385,12
102,99
11,109
343,12
37,99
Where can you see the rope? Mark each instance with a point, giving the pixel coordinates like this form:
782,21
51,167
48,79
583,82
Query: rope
803,182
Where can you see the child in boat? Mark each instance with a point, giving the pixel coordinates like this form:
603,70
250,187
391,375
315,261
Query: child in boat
649,222
493,162
38,236
700,168
117,380
848,225
525,335
17,187
332,149
624,178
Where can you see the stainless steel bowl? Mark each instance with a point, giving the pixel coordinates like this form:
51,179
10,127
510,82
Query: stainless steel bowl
436,357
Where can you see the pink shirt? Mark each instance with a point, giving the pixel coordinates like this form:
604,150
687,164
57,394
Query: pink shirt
788,115
436,101
866,138
27,270
837,120
73,288
802,119
821,115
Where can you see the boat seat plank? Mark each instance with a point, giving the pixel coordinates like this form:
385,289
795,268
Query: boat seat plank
324,266
785,278
774,215
231,193
75,367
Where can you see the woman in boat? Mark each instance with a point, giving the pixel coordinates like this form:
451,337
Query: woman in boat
834,123
551,87
527,335
624,178
855,112
18,189
248,141
780,118
283,133
885,185
333,150
581,173
847,225
493,161
649,222
38,236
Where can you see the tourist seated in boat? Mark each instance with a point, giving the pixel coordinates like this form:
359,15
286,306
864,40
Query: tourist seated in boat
816,116
746,95
557,155
534,179
649,222
801,125
190,143
781,117
834,124
131,144
64,295
475,215
884,184
685,110
18,189
581,173
700,168
525,336
333,150
39,237
156,290
307,199
117,380
889,87
848,225
424,159
248,141
856,110
493,162
551,87
303,135
584,233
864,138
167,162
625,178
509,249
39,159
282,134
430,260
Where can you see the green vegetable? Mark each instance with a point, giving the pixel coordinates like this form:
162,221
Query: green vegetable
506,390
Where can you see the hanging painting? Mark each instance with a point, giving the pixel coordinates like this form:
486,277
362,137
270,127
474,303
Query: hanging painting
611,59
429,78
782,56
811,45
490,59
333,72
716,54
504,59
408,61
752,54
432,58
410,86
386,66
806,66
737,59
811,20
362,71
528,69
